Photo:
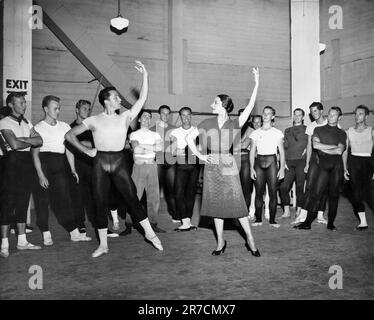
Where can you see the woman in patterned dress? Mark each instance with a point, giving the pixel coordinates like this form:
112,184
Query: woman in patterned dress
222,191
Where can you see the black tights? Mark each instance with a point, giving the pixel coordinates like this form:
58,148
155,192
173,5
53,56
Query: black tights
266,173
329,177
82,194
295,173
111,167
362,184
311,178
166,178
245,178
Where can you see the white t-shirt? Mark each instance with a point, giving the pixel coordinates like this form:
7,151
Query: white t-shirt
145,137
53,136
109,131
180,134
311,126
20,130
266,140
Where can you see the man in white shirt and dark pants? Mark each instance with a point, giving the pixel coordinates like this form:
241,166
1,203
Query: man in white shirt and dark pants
19,174
145,144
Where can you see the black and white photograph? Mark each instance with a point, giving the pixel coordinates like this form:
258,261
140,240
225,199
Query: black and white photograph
186,156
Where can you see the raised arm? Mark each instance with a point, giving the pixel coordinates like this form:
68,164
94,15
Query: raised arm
248,109
71,137
138,105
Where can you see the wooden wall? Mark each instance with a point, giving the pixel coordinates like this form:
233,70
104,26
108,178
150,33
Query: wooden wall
222,41
347,66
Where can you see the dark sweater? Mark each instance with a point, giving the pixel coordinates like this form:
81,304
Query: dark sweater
295,142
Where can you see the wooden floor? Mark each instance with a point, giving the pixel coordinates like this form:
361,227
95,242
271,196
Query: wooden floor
294,264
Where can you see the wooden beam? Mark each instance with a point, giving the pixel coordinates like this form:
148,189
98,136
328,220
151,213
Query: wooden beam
176,54
81,43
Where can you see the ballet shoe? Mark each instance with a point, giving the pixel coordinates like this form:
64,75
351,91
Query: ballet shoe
254,253
155,241
4,252
218,252
185,229
99,252
361,228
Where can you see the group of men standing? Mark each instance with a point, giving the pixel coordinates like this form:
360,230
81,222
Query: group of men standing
317,158
75,178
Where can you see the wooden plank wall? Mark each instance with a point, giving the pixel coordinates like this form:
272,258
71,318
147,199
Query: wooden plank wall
222,39
347,66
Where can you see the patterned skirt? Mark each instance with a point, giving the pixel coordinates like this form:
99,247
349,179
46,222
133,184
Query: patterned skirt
222,191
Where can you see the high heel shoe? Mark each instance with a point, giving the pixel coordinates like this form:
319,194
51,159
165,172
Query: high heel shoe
254,253
218,252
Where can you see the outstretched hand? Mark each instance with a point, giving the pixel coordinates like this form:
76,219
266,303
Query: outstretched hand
140,67
256,74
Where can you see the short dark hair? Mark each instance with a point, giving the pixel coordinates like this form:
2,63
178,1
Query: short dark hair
256,116
47,99
226,102
82,102
144,111
299,109
336,108
271,108
363,107
164,106
5,111
12,95
318,105
105,94
184,108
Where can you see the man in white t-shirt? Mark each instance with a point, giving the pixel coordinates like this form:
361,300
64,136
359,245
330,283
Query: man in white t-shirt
265,143
19,175
144,173
187,171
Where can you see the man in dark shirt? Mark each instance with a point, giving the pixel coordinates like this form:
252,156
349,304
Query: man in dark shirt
330,143
295,143
82,193
166,162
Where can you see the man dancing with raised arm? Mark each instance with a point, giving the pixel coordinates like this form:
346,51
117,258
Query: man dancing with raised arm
109,131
